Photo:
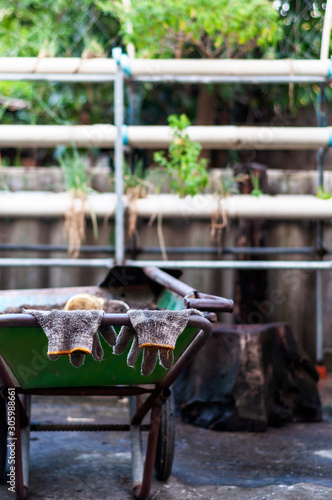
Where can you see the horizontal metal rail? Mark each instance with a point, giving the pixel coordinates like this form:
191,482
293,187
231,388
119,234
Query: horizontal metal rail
27,262
170,250
168,264
190,79
244,80
231,264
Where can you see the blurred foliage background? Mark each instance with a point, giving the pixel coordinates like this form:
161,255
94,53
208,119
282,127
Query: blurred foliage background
156,28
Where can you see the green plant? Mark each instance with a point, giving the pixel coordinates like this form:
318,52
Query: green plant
256,191
186,171
323,195
227,183
78,184
135,179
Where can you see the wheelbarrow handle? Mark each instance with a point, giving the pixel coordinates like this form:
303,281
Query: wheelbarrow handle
218,304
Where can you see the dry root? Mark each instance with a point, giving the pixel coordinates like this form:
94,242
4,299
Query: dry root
218,223
133,195
75,223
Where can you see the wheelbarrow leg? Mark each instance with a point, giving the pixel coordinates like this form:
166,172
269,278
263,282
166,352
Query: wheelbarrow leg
136,446
142,491
25,442
21,491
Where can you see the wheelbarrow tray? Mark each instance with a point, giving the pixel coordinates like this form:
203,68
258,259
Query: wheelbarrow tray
24,366
24,349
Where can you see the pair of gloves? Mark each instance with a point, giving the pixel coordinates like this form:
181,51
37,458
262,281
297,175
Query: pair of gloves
74,331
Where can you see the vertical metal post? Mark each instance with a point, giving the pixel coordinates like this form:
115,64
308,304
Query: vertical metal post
118,156
319,317
325,45
321,119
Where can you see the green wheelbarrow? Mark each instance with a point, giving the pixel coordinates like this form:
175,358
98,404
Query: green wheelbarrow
25,370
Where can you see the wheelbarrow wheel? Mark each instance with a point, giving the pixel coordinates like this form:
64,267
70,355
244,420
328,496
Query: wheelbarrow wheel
3,440
166,441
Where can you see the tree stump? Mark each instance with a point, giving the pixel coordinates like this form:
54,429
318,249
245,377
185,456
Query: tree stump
248,377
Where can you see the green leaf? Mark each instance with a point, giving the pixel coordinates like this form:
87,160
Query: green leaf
323,195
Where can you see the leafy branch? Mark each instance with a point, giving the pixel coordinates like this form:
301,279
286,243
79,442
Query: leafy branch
186,171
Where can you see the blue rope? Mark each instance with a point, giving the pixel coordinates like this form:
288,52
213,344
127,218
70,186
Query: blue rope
121,59
125,137
329,70
116,54
330,139
125,64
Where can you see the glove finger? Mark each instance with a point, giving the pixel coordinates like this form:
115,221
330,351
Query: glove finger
108,333
53,356
134,352
123,339
149,362
166,358
97,350
77,358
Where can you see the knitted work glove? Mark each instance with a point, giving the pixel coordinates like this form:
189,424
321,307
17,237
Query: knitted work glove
154,331
88,302
74,333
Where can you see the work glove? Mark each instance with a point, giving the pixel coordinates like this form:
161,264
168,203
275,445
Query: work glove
74,333
156,333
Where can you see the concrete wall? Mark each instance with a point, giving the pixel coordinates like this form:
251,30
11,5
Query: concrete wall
290,295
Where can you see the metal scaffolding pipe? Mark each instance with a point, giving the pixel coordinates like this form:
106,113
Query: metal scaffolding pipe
244,80
6,247
27,262
30,136
118,159
170,264
325,45
231,67
57,65
69,78
280,207
231,264
235,137
53,205
190,79
159,67
210,137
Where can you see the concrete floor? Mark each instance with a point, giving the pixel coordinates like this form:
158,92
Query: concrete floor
289,463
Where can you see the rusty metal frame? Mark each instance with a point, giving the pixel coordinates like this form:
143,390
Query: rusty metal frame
154,402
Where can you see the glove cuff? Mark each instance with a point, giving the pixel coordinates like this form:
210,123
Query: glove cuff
153,345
